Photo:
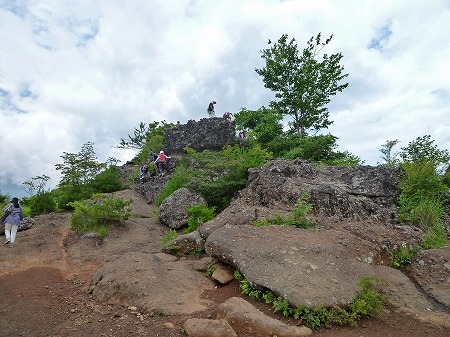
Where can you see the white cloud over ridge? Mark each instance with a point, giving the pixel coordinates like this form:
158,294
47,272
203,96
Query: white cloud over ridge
72,72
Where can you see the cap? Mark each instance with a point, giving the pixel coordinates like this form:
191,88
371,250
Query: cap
214,102
14,200
161,151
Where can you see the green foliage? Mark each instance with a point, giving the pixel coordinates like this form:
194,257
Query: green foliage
215,175
82,175
369,300
198,215
299,217
209,271
36,185
435,237
390,159
107,181
423,150
42,203
422,189
302,85
99,215
366,303
169,235
402,256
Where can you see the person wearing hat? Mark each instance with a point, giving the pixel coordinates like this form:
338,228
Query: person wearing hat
12,221
161,162
211,112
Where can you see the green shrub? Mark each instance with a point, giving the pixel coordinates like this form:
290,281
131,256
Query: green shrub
435,237
107,181
299,217
42,203
217,176
169,235
198,215
403,255
99,215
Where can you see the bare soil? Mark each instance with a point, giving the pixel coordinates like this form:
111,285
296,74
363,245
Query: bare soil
45,277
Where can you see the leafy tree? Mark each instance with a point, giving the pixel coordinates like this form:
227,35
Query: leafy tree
423,149
80,175
302,84
389,158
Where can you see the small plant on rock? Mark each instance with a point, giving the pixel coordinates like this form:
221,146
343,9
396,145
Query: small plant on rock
403,255
198,215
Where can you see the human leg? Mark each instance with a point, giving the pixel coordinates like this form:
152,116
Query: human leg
13,233
7,232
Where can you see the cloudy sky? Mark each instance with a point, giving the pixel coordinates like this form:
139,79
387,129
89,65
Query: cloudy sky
91,70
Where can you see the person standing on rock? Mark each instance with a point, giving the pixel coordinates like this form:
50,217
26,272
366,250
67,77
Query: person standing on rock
210,110
161,162
12,221
144,170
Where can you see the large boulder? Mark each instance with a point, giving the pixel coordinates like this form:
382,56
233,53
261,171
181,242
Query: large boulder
206,134
172,212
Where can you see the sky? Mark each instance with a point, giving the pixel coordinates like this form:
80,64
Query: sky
73,72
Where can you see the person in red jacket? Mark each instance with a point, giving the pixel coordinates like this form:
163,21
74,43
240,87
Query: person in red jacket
161,162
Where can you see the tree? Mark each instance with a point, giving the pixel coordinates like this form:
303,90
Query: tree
423,150
36,185
79,172
390,159
302,84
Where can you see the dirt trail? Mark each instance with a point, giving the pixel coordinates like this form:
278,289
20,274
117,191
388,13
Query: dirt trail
43,282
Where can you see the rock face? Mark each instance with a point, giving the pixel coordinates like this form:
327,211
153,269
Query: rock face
206,134
172,211
338,193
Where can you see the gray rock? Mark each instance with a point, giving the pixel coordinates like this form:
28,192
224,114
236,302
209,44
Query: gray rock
121,281
297,264
243,316
172,212
189,243
206,134
202,327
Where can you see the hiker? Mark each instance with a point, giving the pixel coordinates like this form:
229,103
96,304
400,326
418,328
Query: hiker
144,170
242,138
210,110
228,115
161,162
12,221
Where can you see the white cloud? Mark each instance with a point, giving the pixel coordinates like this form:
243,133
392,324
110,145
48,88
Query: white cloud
72,72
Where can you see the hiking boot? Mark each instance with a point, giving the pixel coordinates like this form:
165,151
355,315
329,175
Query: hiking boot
6,242
11,245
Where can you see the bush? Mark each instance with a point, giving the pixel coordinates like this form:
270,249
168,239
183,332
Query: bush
402,257
42,203
435,237
107,181
99,215
421,188
198,215
217,176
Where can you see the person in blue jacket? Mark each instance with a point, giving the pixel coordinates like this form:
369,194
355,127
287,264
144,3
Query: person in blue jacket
12,221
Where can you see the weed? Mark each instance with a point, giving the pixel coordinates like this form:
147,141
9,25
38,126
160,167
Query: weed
299,217
209,271
198,251
403,255
160,312
365,303
169,235
198,215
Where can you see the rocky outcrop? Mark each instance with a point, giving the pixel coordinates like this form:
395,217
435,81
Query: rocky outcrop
206,134
339,193
172,211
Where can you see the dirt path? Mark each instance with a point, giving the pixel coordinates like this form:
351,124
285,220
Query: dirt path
43,283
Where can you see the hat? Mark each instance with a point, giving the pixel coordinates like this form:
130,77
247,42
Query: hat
15,200
160,152
213,102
